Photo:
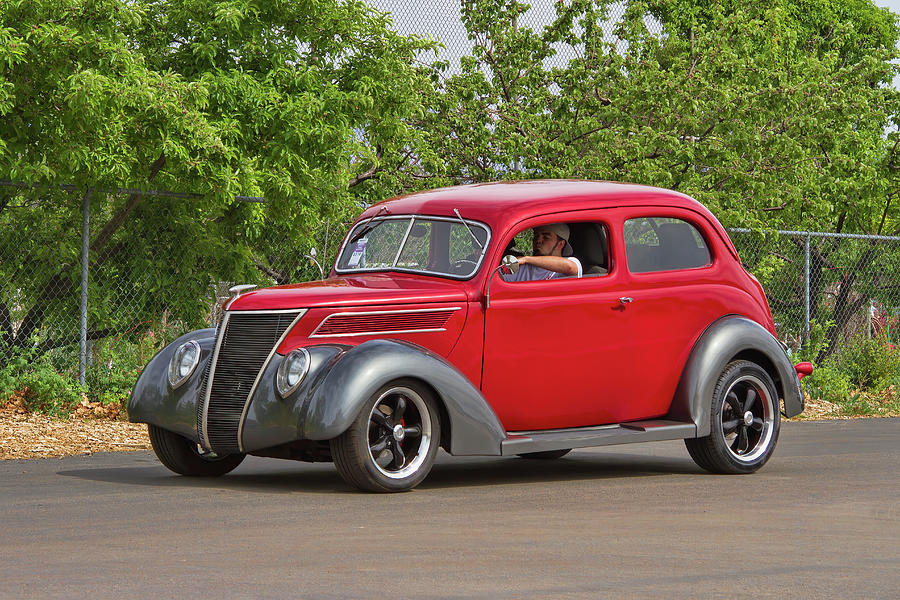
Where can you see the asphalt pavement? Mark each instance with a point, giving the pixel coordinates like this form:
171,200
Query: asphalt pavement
821,520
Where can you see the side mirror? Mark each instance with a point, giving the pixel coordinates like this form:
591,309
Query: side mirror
314,261
509,262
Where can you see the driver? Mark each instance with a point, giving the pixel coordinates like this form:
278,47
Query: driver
552,256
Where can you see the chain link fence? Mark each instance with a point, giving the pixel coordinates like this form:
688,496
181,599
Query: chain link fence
157,273
164,270
826,287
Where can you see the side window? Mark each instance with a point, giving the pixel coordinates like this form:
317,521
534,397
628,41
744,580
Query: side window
663,244
587,241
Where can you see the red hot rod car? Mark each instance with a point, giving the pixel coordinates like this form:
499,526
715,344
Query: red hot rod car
417,341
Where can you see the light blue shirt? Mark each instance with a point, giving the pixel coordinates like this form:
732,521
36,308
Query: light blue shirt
532,273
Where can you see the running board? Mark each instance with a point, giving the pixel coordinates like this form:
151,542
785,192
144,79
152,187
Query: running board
518,442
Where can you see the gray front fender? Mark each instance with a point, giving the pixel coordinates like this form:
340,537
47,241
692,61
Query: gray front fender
154,401
722,341
361,371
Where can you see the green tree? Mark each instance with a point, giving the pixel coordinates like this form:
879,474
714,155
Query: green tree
773,115
300,102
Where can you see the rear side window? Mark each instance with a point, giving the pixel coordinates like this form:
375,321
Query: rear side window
663,244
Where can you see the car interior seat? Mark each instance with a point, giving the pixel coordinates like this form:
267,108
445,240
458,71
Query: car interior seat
588,241
678,247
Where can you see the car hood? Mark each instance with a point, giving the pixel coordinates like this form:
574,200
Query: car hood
358,290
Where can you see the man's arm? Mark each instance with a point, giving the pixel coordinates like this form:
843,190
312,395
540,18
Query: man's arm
557,264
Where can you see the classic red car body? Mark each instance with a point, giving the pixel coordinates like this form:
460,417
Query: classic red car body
479,365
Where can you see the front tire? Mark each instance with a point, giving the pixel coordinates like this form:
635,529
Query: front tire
393,442
182,456
744,422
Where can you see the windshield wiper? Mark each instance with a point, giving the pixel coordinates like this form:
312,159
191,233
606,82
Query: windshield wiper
366,228
469,229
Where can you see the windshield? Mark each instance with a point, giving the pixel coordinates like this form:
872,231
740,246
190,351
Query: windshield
435,245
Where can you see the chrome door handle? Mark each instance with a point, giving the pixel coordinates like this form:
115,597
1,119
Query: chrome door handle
625,300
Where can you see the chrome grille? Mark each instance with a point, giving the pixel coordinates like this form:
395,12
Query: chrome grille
204,380
246,343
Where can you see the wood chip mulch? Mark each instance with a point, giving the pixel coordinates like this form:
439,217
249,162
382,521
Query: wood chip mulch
24,435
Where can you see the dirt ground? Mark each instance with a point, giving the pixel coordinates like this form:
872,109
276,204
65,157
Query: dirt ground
93,429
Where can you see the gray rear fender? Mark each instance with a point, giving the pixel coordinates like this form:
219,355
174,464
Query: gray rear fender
723,341
352,379
154,401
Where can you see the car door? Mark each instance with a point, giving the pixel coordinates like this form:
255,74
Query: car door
553,349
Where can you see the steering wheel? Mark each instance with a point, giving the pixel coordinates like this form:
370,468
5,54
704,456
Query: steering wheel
462,266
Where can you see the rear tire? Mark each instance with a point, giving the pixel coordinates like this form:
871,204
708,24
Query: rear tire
182,456
744,422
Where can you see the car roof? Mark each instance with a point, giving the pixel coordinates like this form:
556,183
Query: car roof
502,204
518,199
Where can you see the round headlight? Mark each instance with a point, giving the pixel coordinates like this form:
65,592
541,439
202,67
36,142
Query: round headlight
291,372
183,363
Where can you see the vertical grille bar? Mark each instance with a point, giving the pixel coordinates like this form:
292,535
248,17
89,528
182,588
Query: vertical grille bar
204,381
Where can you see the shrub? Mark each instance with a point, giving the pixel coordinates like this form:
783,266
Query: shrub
817,342
43,388
48,384
870,364
118,363
828,383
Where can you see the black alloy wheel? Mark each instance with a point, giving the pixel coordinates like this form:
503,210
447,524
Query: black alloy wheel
744,422
392,444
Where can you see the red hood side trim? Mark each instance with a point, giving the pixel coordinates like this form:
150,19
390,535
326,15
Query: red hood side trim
368,290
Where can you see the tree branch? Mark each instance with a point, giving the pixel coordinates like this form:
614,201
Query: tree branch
368,173
280,278
113,225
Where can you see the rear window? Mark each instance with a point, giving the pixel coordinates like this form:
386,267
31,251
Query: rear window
663,244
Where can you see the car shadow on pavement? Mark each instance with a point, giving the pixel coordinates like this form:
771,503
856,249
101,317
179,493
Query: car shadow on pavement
272,476
574,467
289,478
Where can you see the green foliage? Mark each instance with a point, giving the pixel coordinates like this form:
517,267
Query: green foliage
734,112
44,388
303,103
829,383
117,363
15,365
885,403
818,341
870,364
862,380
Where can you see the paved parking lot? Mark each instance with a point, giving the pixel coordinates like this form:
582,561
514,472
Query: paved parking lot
822,519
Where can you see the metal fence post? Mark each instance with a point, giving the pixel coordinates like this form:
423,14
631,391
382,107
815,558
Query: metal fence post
806,286
85,242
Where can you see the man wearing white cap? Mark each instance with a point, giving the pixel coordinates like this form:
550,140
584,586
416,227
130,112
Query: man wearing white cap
552,256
